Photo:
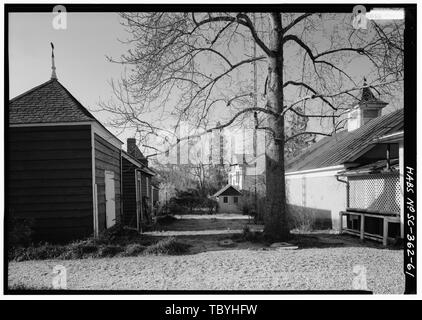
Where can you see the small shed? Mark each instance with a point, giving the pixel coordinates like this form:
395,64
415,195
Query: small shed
229,199
137,187
63,166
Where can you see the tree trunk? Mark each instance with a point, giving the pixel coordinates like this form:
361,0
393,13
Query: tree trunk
276,225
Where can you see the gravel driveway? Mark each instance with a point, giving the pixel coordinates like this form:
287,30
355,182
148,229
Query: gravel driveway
241,269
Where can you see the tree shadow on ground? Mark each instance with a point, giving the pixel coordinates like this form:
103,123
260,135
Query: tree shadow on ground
249,236
328,240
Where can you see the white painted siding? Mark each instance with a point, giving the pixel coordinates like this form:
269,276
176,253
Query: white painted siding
322,197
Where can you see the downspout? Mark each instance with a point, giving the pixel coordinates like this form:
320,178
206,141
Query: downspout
388,157
347,189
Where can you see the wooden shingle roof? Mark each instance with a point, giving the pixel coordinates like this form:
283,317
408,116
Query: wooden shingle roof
344,146
49,102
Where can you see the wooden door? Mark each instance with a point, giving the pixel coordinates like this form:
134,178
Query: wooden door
110,195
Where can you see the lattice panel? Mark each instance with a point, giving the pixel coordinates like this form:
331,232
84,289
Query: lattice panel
378,192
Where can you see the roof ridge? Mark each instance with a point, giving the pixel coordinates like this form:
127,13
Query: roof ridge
80,105
227,186
31,90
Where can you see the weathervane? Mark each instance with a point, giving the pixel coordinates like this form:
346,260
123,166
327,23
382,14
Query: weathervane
53,67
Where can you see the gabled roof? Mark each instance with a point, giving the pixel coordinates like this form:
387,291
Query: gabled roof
225,188
137,163
49,102
345,146
368,97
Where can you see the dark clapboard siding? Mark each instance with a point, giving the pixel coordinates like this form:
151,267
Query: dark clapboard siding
129,193
50,180
107,157
144,177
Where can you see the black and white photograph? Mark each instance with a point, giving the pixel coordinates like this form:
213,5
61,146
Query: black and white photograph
202,149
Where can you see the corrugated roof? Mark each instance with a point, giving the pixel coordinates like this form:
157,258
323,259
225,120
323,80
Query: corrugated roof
49,102
344,146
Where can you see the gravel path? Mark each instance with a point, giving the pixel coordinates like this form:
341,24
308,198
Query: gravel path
242,269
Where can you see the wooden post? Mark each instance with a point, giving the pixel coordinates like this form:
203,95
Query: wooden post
362,226
385,232
341,222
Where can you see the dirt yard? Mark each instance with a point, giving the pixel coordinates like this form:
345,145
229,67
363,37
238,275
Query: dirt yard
322,262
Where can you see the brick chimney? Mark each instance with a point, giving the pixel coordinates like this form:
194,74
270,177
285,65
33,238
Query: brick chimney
133,150
368,108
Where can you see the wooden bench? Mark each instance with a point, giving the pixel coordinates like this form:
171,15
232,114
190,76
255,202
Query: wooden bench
387,218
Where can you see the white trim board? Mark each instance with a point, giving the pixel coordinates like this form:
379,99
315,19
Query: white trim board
130,159
318,172
106,135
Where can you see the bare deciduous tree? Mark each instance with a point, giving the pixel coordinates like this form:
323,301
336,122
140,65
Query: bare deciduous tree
197,67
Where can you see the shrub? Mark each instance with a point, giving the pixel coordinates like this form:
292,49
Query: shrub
108,251
166,220
19,231
79,249
246,208
111,234
42,252
167,246
300,219
117,234
173,208
134,249
211,204
190,199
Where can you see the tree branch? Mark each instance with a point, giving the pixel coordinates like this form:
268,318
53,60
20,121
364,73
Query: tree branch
295,22
245,22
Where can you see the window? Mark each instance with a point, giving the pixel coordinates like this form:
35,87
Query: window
225,199
236,199
237,177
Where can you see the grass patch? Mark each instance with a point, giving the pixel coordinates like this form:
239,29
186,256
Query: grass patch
167,246
94,248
